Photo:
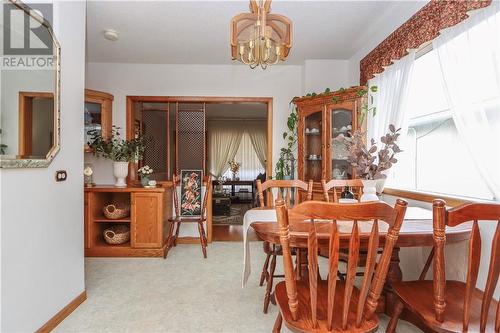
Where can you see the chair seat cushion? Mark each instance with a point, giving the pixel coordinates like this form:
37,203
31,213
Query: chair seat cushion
304,322
418,297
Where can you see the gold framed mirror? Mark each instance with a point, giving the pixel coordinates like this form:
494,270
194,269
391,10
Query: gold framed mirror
30,87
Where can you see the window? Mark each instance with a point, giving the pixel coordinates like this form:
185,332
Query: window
435,159
250,165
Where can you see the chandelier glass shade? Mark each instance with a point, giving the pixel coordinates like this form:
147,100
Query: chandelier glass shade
259,38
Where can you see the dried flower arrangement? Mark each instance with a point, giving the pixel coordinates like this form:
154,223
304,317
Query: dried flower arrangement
234,166
367,163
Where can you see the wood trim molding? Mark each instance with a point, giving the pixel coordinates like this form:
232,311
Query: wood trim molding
200,99
426,197
25,135
98,95
61,315
130,100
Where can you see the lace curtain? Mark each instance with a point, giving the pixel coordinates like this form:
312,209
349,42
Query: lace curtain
223,144
257,131
469,58
247,157
391,97
244,141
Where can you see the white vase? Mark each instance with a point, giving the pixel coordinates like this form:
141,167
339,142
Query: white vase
369,190
120,171
380,185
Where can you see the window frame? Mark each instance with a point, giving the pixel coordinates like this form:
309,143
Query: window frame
425,196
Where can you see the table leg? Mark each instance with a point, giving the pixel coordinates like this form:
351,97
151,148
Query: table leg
393,275
303,268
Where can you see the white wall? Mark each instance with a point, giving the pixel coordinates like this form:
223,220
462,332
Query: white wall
376,36
281,82
42,267
321,74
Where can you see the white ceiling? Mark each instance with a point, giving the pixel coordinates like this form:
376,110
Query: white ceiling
236,111
197,32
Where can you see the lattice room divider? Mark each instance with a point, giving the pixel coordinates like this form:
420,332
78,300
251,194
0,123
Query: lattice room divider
191,136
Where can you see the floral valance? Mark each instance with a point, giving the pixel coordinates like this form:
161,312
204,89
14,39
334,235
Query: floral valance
422,27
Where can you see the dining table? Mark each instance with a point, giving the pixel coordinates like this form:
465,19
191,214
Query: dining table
416,231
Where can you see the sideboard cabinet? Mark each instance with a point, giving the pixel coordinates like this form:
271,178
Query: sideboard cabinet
322,119
150,209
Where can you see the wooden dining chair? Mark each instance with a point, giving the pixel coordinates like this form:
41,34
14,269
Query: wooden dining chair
177,220
335,186
315,305
451,306
288,190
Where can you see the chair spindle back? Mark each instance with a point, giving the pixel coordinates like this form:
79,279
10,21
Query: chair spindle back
453,217
336,184
286,188
309,212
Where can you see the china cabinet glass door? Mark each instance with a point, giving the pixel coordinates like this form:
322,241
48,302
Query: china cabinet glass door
313,146
341,126
93,119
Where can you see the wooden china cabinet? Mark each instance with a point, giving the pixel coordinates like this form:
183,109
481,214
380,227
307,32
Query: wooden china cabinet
323,118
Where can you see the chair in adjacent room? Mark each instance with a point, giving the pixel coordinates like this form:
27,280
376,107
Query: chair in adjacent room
315,305
177,220
442,305
289,191
335,186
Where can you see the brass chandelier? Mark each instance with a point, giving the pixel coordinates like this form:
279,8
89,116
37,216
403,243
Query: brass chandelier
259,38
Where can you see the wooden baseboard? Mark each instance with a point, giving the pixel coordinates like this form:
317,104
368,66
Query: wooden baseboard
61,315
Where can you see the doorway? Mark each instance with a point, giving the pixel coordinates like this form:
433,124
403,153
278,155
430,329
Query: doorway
190,133
36,124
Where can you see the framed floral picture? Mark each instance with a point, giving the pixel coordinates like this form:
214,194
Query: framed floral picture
191,199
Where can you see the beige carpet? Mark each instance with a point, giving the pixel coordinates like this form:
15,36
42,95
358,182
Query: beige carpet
183,293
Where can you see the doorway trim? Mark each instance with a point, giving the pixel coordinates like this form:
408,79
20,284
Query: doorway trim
25,132
130,100
208,100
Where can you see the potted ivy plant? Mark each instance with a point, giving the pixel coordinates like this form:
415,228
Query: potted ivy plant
284,166
371,163
119,150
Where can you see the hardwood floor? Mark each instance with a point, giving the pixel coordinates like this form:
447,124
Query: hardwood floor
231,233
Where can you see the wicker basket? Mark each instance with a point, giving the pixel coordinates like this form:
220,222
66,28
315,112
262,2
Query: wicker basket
116,211
117,234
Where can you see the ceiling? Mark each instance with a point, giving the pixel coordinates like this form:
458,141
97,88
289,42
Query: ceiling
236,111
197,32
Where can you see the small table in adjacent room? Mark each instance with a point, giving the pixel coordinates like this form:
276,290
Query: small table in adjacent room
239,194
221,205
